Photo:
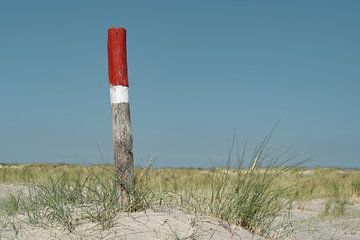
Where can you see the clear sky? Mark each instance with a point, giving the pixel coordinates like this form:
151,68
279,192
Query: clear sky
198,72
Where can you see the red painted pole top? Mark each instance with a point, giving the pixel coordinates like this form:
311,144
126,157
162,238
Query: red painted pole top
117,62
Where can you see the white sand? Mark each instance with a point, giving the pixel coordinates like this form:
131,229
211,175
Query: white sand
309,225
148,225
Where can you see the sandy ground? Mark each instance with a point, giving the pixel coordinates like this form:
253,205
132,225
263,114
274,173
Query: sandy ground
308,224
7,189
142,225
175,224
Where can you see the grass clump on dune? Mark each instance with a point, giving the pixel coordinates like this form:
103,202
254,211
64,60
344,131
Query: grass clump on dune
247,196
355,187
250,198
69,203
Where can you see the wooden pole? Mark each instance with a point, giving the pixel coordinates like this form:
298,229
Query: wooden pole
121,125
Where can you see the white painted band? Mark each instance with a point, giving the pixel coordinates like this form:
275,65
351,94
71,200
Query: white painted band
119,94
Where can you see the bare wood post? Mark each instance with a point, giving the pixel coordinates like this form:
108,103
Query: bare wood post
121,125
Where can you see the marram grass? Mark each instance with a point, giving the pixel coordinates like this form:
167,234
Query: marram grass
69,195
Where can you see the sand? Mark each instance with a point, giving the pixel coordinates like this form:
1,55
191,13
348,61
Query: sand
149,225
308,224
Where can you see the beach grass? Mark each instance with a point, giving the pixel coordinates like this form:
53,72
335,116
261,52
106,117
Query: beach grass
68,195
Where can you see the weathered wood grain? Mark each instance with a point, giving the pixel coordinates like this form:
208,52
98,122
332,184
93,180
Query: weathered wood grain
123,154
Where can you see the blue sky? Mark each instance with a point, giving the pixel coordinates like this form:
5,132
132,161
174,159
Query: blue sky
198,72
